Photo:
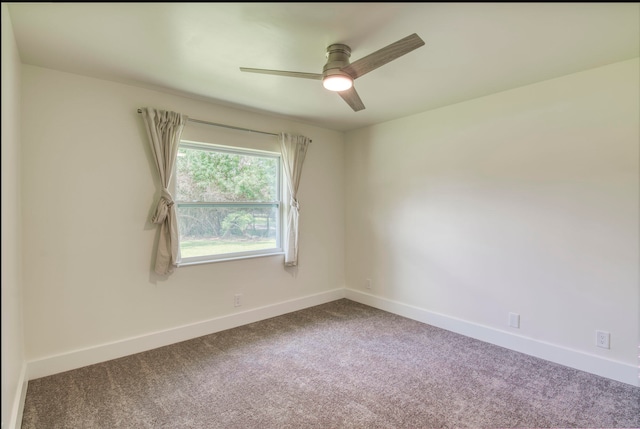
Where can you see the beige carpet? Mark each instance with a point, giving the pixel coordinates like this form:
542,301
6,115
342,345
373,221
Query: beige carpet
337,365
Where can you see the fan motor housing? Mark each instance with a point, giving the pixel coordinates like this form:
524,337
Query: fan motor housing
337,58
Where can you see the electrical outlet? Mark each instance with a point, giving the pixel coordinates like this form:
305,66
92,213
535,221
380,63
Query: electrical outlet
237,300
367,284
514,320
602,339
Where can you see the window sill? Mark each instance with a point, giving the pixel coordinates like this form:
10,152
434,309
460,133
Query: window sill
226,259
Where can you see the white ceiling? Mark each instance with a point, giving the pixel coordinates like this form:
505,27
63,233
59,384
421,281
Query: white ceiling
196,49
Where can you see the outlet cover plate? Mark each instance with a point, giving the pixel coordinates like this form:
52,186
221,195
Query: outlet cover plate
514,320
603,339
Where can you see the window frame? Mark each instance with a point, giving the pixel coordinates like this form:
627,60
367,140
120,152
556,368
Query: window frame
280,209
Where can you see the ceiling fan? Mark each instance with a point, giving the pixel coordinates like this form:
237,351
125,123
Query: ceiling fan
338,74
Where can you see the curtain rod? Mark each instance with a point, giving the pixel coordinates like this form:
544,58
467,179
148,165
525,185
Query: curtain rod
225,126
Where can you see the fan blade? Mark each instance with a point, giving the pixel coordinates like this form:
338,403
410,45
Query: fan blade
383,56
352,98
315,76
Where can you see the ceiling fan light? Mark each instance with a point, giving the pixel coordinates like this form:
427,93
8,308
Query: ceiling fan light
337,82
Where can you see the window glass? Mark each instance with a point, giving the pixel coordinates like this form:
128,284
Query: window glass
228,202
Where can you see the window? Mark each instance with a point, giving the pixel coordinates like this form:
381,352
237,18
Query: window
228,202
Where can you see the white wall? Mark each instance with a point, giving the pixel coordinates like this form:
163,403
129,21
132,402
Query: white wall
88,193
13,361
524,201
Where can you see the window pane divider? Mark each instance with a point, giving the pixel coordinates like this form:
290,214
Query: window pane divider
226,204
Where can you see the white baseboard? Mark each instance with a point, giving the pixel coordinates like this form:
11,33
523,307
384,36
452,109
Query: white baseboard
92,355
597,365
15,419
79,358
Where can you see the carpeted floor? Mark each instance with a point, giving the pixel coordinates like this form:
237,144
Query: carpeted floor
337,365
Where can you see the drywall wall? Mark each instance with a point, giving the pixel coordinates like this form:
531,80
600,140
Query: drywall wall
525,201
88,193
12,332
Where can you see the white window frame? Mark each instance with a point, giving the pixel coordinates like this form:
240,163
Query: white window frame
281,190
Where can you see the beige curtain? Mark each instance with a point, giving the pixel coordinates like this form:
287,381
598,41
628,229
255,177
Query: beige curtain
293,149
164,130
